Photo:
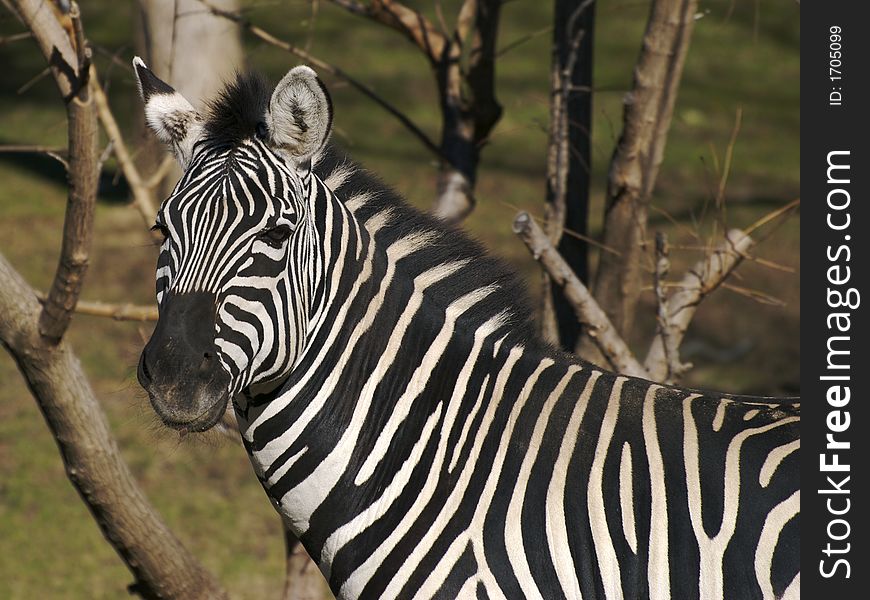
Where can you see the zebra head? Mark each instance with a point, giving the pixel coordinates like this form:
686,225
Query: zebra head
235,274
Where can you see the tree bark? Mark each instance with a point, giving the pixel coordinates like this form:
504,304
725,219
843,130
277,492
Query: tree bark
162,567
638,155
569,160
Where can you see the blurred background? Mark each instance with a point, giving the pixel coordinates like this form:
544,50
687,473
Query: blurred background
744,55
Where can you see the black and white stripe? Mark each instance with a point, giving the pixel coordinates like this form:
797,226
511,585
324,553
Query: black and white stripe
423,443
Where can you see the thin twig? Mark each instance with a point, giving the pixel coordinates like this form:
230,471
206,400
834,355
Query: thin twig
59,154
33,81
143,197
15,37
726,166
160,172
522,40
332,70
570,232
774,215
758,296
118,312
601,331
698,282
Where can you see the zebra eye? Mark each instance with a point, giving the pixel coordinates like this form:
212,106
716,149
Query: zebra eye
276,235
164,231
262,131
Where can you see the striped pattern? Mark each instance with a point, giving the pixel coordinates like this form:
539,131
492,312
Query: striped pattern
421,441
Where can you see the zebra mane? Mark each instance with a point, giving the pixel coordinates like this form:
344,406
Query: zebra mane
239,110
349,180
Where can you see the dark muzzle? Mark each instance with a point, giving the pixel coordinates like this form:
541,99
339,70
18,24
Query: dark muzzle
179,368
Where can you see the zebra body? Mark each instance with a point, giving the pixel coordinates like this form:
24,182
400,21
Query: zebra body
400,412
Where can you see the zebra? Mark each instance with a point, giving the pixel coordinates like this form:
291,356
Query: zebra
397,406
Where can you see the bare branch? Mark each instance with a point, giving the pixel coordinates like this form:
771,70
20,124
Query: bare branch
57,45
562,139
786,211
463,63
558,154
603,334
24,35
118,312
83,175
332,70
522,40
674,368
34,337
465,21
411,23
698,282
143,193
162,170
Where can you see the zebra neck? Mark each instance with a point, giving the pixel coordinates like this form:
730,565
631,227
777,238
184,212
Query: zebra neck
394,352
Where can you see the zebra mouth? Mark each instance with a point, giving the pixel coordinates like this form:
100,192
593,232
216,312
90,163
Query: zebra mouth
184,404
185,424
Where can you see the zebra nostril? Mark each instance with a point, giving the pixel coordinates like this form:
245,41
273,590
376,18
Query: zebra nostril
205,366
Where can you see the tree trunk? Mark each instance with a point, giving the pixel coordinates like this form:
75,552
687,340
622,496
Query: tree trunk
570,133
162,567
638,155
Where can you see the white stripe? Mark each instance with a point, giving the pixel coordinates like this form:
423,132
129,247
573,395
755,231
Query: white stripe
439,574
774,459
608,564
658,569
480,335
341,536
356,201
776,519
557,530
359,578
338,176
477,529
719,417
513,531
303,499
626,497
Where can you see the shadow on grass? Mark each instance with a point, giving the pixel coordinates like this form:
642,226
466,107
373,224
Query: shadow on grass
113,188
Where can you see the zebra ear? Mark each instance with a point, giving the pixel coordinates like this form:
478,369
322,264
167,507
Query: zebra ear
300,114
169,115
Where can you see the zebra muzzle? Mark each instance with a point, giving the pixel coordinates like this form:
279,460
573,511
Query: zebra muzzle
186,383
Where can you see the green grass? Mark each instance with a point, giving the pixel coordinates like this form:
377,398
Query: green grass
206,490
